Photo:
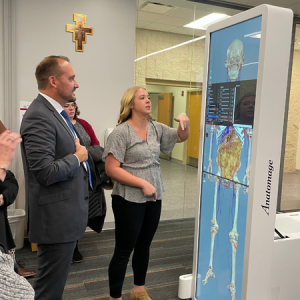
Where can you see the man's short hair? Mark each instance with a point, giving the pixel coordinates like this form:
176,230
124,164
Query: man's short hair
49,66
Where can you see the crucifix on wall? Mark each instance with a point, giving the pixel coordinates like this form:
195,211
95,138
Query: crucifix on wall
79,31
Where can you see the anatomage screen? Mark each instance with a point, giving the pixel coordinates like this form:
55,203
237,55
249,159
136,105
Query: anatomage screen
230,106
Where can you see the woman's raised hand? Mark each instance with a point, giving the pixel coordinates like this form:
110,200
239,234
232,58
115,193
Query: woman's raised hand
183,120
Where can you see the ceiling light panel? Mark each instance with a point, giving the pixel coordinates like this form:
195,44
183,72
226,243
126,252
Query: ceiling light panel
204,22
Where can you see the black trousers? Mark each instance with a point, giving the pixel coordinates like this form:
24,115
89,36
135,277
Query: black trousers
135,226
54,261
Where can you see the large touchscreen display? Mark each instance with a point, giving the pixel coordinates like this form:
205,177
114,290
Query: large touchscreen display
230,106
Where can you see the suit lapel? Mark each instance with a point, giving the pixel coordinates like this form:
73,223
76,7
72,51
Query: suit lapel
56,114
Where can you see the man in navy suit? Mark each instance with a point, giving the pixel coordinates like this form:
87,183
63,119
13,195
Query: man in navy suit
56,179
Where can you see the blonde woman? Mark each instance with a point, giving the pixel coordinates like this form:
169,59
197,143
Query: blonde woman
132,160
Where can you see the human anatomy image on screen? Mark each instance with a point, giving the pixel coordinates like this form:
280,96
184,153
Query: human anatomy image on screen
224,189
234,52
235,59
227,152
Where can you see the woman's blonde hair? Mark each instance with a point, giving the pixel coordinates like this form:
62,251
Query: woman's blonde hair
126,103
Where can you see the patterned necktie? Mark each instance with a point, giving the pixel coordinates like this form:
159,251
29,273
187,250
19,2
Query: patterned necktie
66,117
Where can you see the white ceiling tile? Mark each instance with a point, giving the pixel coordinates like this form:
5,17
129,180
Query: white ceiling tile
146,16
172,21
184,13
142,24
177,3
160,27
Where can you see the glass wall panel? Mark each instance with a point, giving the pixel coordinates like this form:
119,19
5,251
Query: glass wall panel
290,196
169,64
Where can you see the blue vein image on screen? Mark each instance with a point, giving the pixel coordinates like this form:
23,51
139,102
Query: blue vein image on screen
231,88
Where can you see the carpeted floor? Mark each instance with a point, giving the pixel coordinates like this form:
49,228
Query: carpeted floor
171,256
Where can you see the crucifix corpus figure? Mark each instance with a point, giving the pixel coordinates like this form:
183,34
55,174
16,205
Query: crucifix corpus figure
79,31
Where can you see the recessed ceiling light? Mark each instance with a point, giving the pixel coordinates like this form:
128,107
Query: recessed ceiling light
204,22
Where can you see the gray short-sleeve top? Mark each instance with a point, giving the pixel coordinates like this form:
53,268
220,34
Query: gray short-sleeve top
139,157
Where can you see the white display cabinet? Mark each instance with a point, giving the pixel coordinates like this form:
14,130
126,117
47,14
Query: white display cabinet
244,96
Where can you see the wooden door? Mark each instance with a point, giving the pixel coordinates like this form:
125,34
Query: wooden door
165,114
194,115
164,110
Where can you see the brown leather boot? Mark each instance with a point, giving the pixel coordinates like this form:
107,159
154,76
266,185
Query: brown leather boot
139,296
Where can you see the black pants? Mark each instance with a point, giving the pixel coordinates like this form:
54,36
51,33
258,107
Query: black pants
136,224
54,261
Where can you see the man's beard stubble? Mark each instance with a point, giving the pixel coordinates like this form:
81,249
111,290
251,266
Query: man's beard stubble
67,98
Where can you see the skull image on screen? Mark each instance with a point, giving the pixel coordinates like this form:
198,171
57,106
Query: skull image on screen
235,59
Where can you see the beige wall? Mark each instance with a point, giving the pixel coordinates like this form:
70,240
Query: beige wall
298,152
291,146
